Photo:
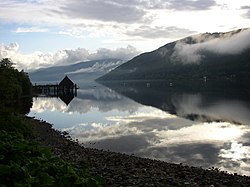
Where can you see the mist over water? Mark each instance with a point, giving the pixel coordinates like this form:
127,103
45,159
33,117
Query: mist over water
199,126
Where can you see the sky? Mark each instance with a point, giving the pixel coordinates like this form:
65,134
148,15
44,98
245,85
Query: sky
41,33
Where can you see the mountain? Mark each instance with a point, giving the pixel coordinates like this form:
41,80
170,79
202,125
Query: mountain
208,56
83,71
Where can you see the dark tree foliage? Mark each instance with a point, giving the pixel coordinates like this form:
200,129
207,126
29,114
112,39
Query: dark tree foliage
14,85
6,62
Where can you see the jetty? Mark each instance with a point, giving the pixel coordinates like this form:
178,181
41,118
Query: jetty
66,90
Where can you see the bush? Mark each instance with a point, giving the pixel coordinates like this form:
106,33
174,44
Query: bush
23,163
15,124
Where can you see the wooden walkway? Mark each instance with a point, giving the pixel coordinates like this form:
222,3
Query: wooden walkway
54,90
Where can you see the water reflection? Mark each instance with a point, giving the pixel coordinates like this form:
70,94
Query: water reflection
209,102
65,92
92,105
204,127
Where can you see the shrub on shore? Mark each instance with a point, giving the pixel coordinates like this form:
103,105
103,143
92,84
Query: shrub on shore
24,163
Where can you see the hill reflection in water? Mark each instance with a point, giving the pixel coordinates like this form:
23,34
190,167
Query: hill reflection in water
198,126
206,102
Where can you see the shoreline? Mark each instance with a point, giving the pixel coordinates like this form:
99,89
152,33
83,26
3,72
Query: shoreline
125,170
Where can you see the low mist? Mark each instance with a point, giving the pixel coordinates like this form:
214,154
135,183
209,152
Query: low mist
234,43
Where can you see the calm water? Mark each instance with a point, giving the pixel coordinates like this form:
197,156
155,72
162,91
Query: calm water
205,125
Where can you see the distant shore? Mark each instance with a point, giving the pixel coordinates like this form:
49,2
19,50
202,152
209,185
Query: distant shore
125,170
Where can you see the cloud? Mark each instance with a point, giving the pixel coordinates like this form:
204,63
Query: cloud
119,53
99,67
26,11
75,55
92,13
73,32
62,57
66,12
187,5
230,43
30,61
127,12
179,5
247,9
11,49
103,11
121,20
159,32
72,13
30,29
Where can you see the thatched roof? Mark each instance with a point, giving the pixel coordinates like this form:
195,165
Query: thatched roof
66,82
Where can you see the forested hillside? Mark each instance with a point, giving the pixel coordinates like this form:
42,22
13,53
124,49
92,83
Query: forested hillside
213,56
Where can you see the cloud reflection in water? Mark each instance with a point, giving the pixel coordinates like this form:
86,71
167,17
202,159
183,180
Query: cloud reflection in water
104,119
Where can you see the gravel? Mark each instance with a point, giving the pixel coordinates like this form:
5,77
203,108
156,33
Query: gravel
124,170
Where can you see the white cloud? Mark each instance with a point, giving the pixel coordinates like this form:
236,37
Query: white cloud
99,67
11,49
30,29
30,61
119,53
73,32
225,44
62,57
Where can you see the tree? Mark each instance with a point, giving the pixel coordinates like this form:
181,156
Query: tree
6,62
14,85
